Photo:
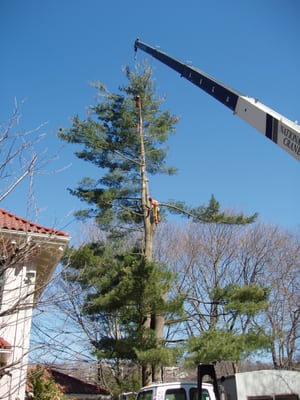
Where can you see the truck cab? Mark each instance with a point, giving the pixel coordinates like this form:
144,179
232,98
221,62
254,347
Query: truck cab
175,391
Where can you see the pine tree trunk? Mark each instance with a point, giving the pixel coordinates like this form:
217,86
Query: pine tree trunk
159,324
146,367
155,322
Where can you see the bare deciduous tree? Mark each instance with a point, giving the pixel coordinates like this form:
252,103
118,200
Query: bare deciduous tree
24,155
209,256
205,256
283,313
27,255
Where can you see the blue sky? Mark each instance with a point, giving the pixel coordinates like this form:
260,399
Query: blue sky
51,50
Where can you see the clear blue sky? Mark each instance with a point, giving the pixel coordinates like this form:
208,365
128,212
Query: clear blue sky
52,49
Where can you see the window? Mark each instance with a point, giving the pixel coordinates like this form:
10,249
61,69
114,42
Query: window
276,397
145,395
2,280
287,397
194,394
175,394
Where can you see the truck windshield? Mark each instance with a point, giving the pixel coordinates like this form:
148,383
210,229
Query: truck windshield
145,395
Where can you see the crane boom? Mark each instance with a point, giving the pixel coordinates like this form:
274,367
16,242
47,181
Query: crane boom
284,132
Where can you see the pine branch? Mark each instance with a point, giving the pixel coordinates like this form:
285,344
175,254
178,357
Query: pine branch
202,214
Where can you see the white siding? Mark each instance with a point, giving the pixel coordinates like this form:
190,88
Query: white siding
262,383
17,302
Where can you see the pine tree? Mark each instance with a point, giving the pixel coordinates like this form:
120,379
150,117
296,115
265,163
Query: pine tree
125,136
239,338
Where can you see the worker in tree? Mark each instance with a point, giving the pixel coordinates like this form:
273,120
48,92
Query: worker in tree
155,210
138,101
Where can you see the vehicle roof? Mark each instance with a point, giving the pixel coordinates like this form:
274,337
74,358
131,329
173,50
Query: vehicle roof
173,384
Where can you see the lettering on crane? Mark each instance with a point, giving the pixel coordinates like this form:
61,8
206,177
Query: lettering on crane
290,139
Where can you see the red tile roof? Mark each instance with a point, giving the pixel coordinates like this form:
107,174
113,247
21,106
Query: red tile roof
71,385
13,222
4,344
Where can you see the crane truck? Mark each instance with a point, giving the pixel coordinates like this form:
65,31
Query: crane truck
282,131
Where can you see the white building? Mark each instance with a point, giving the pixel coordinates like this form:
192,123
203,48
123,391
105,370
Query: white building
263,385
29,254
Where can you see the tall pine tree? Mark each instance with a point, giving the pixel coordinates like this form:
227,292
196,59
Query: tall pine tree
125,136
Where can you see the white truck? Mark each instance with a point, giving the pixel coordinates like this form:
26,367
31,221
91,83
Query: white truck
182,390
175,391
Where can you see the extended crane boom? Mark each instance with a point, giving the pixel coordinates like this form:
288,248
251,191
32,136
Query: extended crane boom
274,126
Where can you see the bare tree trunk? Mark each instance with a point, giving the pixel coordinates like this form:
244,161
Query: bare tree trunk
159,324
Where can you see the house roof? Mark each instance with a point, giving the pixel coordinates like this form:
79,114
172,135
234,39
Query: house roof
71,385
4,344
11,221
45,249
